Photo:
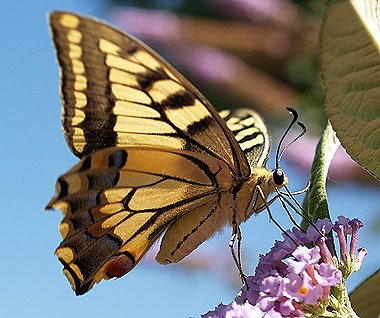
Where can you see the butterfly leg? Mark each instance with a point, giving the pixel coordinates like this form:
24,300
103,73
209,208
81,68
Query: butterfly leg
236,235
239,239
280,193
266,206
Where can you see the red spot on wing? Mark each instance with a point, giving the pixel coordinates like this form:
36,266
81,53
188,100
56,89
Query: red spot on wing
120,265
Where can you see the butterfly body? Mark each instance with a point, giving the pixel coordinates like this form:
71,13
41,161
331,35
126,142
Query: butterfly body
156,158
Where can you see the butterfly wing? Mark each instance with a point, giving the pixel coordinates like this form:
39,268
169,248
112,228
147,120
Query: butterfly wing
117,201
118,92
189,231
251,132
155,154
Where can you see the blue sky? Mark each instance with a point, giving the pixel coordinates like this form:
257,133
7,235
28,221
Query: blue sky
34,153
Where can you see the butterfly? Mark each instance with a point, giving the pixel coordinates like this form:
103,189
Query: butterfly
156,158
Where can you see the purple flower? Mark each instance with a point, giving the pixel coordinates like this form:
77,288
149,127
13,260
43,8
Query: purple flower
301,282
359,259
294,235
324,250
302,289
295,281
327,275
340,230
304,258
235,310
342,220
287,307
271,314
324,227
355,225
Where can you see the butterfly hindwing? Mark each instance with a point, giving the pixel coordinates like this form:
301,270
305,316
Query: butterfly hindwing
118,92
189,231
117,201
251,132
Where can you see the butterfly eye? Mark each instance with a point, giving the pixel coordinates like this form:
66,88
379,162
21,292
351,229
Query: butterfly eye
278,177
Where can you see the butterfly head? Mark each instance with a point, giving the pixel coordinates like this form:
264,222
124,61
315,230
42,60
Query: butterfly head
278,178
271,181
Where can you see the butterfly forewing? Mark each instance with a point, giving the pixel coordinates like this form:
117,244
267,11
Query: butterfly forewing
117,201
117,92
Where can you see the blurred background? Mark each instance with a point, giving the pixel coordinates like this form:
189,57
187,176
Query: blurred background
239,53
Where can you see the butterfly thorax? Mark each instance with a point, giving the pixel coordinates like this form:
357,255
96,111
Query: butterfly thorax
248,199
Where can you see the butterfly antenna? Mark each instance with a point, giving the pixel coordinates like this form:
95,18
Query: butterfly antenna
295,117
304,129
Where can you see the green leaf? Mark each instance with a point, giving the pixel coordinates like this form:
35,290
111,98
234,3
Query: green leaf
315,203
365,299
350,65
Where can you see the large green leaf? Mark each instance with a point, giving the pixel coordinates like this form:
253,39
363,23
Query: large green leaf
315,202
365,299
350,63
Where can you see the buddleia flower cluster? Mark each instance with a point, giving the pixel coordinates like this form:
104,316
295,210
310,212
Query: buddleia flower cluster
302,275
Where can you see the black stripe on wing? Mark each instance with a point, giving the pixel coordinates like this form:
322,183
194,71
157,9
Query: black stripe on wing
251,132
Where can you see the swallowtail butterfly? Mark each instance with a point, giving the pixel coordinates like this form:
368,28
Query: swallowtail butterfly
156,158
